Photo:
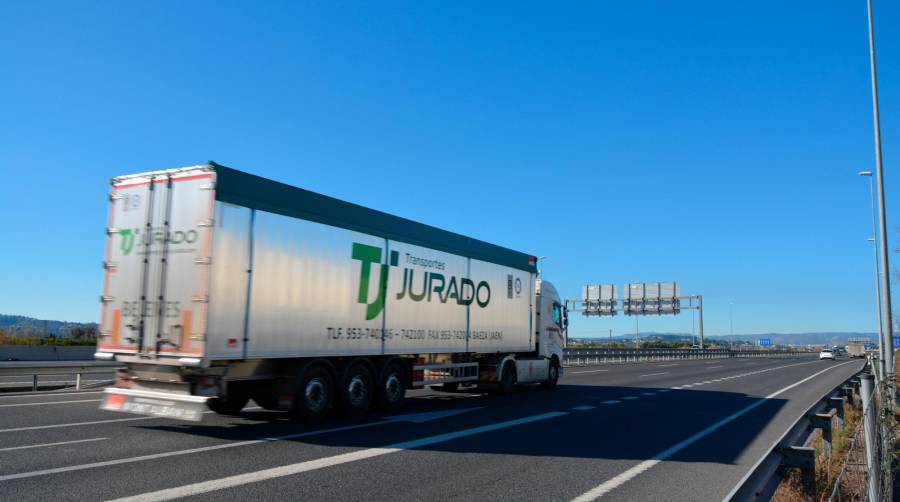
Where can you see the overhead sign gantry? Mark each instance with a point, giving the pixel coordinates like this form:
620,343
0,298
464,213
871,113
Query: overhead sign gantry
641,298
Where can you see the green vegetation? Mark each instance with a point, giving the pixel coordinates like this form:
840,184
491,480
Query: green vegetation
77,336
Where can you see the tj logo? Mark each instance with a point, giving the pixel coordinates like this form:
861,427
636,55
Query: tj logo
127,243
462,290
370,255
156,236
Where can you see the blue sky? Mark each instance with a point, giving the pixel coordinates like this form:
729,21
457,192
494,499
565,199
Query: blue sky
711,143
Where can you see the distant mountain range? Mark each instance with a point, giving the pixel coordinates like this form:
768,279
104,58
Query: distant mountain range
820,338
29,326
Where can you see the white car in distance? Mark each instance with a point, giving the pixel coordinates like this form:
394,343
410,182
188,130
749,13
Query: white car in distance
826,354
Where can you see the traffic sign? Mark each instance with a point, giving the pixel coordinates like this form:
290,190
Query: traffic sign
897,342
765,342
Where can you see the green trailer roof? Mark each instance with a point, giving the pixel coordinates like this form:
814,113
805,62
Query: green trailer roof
248,190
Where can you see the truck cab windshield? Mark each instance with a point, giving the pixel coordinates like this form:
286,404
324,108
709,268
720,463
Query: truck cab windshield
557,314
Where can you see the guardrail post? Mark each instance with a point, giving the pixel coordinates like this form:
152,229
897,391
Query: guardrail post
848,393
869,432
77,381
822,421
804,459
838,404
34,383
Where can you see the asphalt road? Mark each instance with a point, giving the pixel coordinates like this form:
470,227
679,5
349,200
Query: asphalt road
676,430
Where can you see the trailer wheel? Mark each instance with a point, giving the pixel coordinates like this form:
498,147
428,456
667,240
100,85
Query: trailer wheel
229,404
391,390
508,379
314,394
553,375
356,392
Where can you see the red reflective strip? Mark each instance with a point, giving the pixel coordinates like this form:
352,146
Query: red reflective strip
183,178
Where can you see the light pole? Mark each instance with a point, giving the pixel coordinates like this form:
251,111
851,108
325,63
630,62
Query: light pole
887,336
882,350
731,324
637,333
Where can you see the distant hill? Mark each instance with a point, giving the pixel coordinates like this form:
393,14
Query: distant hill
17,325
820,338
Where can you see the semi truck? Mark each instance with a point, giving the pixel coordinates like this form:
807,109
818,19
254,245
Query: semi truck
221,286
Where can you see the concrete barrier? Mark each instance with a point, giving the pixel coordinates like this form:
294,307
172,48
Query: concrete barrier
47,352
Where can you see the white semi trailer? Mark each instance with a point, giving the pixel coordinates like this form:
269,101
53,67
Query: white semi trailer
221,287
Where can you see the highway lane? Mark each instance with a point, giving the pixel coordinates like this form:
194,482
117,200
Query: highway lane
544,445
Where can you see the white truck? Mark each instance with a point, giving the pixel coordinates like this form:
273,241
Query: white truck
221,287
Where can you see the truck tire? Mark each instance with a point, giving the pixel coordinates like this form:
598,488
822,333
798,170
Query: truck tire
553,375
391,390
314,394
229,404
507,379
356,391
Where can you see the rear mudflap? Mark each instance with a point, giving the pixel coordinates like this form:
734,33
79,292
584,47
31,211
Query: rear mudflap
158,404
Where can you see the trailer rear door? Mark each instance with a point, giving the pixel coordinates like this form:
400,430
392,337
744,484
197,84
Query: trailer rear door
157,263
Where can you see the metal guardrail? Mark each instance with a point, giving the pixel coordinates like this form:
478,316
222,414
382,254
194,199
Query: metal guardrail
790,450
40,368
584,357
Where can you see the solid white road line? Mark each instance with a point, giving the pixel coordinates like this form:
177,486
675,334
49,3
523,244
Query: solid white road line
714,367
154,456
321,463
580,372
52,444
52,402
95,422
76,424
607,486
41,394
666,365
654,374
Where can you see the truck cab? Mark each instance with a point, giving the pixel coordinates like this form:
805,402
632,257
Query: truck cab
551,322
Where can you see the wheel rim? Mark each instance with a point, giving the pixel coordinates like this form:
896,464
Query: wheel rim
393,388
357,391
315,394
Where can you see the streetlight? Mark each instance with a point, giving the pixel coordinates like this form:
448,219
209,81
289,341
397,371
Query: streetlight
731,323
882,350
887,337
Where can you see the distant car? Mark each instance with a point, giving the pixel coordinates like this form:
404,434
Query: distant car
826,354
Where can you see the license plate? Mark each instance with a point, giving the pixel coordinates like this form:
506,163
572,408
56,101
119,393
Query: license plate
155,407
